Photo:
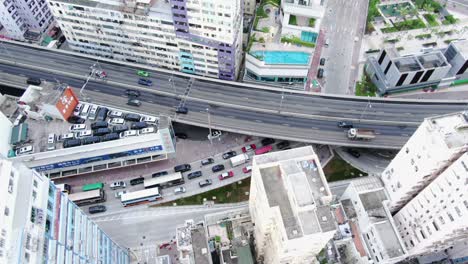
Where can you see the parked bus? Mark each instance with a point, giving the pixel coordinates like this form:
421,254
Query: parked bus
65,188
165,181
93,186
139,197
89,197
263,150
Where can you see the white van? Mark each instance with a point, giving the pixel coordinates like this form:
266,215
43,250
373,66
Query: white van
85,111
51,142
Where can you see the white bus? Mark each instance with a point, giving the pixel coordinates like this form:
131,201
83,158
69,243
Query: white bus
165,181
65,188
88,197
138,197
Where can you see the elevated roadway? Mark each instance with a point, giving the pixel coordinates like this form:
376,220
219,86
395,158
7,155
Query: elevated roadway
237,107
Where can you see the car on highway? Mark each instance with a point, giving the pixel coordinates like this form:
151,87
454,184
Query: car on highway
146,130
117,185
76,120
136,181
159,174
114,113
194,175
128,133
100,74
282,145
182,110
267,141
134,93
345,124
119,194
181,135
33,81
353,153
117,121
134,102
217,168
77,127
142,73
229,154
205,183
207,161
25,150
146,82
179,190
247,169
250,147
97,209
225,175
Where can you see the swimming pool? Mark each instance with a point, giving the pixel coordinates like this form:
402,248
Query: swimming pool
282,57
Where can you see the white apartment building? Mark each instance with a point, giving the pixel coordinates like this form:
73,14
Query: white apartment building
435,219
249,7
18,17
434,146
289,205
201,37
40,225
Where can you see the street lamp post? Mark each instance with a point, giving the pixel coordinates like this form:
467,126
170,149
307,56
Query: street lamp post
210,135
368,105
282,98
172,85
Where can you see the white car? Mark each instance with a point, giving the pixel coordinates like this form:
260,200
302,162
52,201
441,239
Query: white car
179,190
149,119
67,136
128,133
51,142
77,127
24,150
93,112
146,130
84,133
119,194
117,121
77,110
117,185
115,114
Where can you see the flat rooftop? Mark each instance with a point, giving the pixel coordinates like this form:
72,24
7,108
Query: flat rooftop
406,64
201,252
432,60
293,183
452,128
462,47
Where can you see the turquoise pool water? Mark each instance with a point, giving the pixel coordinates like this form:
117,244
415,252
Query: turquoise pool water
282,57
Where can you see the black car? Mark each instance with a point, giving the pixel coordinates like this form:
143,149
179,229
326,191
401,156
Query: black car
194,175
217,168
137,181
322,61
320,73
76,120
159,173
69,143
182,110
131,92
205,183
182,168
119,128
282,145
139,125
354,153
181,135
345,124
109,137
134,102
132,117
102,131
207,161
33,81
267,141
99,124
90,140
97,209
229,154
102,114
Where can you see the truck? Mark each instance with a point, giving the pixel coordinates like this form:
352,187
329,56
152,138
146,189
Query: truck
361,134
239,159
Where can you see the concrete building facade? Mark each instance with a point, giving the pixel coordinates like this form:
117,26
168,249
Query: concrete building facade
18,17
40,225
289,205
457,56
201,37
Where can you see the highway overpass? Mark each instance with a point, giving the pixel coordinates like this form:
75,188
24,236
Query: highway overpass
237,107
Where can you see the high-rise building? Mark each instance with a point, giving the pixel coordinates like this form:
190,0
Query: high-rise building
290,206
427,185
40,225
201,37
434,146
18,17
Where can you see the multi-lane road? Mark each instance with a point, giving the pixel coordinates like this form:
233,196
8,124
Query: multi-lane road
235,107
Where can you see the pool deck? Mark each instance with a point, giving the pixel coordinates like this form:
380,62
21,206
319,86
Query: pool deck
283,57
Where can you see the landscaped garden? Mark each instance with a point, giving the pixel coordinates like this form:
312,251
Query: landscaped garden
431,19
365,87
297,41
405,25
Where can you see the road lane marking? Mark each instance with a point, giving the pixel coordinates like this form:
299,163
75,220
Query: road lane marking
258,121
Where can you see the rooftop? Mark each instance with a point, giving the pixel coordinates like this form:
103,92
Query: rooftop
406,64
295,175
462,47
200,247
432,60
452,128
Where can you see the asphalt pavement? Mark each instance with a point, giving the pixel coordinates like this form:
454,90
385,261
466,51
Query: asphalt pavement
234,107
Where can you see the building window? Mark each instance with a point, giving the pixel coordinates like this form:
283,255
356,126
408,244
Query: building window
7,211
458,211
436,227
450,217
